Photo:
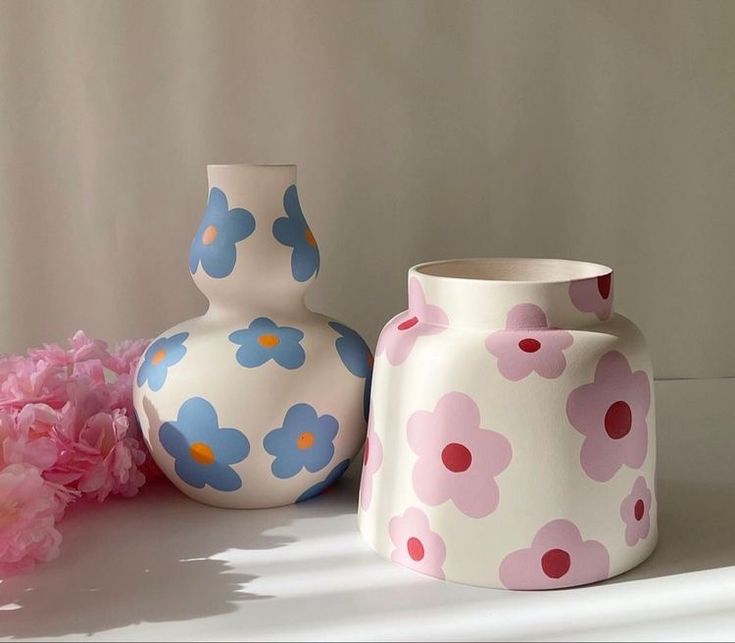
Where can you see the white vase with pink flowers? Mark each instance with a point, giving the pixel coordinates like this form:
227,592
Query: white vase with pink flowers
511,440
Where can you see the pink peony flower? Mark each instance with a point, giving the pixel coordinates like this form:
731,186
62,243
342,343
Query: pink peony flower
593,295
125,356
557,557
28,436
82,348
97,456
67,430
635,512
458,460
611,412
28,510
27,381
416,546
400,333
372,459
527,344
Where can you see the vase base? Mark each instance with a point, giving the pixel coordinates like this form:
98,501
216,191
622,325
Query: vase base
643,556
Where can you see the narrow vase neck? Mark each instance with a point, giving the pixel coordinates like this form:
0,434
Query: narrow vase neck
253,249
257,188
514,293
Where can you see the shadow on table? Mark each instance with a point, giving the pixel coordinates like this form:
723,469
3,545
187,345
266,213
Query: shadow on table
147,559
696,527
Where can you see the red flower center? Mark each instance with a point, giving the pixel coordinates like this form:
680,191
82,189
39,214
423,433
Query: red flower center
603,285
639,509
456,457
415,549
556,563
367,451
529,345
618,420
409,323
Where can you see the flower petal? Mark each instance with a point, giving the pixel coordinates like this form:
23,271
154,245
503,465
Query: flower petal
173,440
230,446
191,472
286,231
251,355
197,419
239,225
223,478
218,259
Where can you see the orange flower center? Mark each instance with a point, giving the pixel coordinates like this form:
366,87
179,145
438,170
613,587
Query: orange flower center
309,236
158,357
268,341
305,440
209,235
202,453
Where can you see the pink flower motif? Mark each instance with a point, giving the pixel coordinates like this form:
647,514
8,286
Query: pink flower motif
593,295
528,344
372,459
458,460
416,546
635,512
401,332
28,510
611,413
557,557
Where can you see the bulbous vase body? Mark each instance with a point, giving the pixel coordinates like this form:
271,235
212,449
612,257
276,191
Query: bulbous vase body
259,402
511,440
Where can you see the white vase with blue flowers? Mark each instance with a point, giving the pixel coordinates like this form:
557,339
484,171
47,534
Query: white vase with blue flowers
259,402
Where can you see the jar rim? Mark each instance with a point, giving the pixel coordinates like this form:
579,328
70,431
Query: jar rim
511,270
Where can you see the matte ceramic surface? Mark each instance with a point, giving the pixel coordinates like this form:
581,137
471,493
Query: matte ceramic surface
511,440
259,402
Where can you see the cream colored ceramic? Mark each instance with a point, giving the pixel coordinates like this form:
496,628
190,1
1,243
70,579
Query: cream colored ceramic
259,402
511,440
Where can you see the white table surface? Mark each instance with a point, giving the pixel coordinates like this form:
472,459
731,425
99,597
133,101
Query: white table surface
161,567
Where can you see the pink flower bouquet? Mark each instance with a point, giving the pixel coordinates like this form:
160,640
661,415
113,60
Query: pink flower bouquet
67,431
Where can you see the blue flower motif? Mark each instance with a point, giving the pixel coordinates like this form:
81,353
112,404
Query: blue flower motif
159,356
264,340
219,231
292,230
320,487
305,440
201,449
356,356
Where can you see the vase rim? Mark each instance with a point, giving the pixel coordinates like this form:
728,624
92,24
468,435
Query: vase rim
247,165
511,270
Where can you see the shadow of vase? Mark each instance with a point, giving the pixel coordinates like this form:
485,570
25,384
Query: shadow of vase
152,558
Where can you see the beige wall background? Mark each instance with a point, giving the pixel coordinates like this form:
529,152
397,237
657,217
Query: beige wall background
594,130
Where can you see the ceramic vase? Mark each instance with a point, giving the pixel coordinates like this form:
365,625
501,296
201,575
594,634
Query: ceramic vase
511,438
259,402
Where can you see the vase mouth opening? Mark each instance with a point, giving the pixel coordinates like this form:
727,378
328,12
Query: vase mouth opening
249,165
506,269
